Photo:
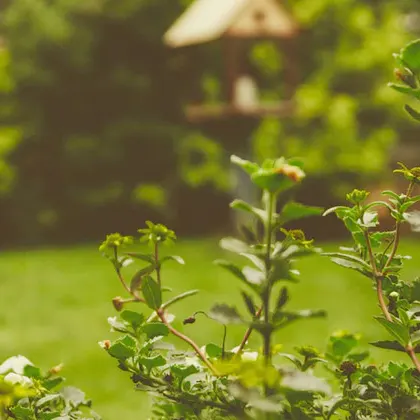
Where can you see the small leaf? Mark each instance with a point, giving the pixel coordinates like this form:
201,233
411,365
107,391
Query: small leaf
138,277
32,372
351,258
234,245
155,329
152,293
295,211
249,303
133,318
236,271
283,298
225,314
214,351
175,258
151,362
352,265
398,331
412,112
389,345
123,348
334,210
410,55
254,276
246,165
244,206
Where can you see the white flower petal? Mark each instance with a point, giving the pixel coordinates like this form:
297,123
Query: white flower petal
14,364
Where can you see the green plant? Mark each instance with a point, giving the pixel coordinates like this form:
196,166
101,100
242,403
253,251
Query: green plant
27,393
213,381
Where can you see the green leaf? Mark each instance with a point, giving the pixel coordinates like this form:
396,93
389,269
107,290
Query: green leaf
152,361
123,348
152,293
412,112
342,345
225,314
155,329
22,413
295,360
398,331
181,371
294,211
415,337
236,271
410,55
249,303
257,261
244,206
283,298
138,277
246,165
301,381
351,258
415,93
334,210
214,351
234,245
389,345
175,258
52,382
32,372
133,318
352,265
271,181
47,399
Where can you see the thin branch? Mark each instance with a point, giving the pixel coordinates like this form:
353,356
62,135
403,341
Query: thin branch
381,300
247,334
413,357
157,264
188,340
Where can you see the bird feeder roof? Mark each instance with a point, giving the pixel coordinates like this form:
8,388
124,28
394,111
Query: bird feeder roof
207,20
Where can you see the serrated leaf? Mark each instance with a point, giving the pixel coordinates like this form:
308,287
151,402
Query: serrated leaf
22,413
152,293
32,372
123,348
398,331
52,382
225,314
155,329
348,257
133,318
295,211
151,362
352,265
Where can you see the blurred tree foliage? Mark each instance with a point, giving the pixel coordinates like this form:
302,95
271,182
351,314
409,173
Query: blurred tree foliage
92,102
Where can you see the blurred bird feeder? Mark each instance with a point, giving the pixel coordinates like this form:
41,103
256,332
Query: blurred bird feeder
235,21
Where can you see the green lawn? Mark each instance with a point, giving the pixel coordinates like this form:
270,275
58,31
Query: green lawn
55,304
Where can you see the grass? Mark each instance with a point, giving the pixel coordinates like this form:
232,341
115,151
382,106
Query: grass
54,306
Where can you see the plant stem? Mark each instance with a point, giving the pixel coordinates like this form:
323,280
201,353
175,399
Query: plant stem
398,230
378,278
381,300
248,333
411,352
267,292
188,340
157,264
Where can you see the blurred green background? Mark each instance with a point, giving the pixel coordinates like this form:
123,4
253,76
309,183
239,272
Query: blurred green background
94,139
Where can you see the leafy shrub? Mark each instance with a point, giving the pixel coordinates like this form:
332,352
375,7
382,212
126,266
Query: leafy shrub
213,381
28,393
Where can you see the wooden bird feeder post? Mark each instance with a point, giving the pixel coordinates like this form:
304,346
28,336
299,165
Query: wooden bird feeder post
234,21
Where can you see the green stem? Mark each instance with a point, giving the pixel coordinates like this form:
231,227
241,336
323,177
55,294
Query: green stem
157,264
267,293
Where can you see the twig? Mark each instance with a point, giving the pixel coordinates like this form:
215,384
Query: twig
381,300
411,352
188,340
247,334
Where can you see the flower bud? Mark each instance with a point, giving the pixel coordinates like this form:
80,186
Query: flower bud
118,303
348,368
292,172
189,320
56,369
